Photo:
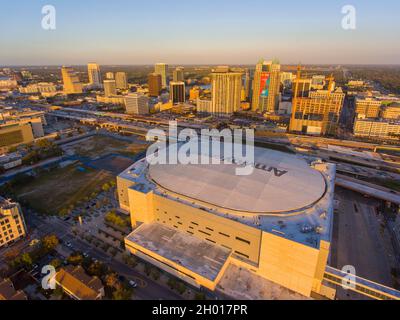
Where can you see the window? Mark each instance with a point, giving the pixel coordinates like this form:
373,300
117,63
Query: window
224,234
209,229
210,240
242,254
205,232
196,224
243,240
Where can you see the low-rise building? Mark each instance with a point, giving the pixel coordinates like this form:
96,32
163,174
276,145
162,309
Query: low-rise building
120,100
7,83
204,106
391,111
8,292
78,285
11,160
13,134
368,107
41,87
381,129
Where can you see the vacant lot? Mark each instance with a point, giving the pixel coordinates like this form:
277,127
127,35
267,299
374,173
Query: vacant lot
98,146
112,163
60,188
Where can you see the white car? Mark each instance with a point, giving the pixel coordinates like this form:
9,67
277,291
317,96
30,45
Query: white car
132,283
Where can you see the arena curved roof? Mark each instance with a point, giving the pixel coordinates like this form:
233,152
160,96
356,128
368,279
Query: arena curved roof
280,183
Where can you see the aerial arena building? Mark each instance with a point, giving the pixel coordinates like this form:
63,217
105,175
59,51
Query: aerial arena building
195,220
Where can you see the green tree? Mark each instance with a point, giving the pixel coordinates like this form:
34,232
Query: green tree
75,259
26,260
49,243
111,281
122,294
56,263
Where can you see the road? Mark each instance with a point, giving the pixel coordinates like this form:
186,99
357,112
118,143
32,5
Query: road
358,240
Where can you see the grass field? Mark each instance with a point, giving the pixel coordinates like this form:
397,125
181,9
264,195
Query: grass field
52,191
100,145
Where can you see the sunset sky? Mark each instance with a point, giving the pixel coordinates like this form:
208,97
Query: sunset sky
198,32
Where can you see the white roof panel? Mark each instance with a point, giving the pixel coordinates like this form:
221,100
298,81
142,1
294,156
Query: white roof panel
261,192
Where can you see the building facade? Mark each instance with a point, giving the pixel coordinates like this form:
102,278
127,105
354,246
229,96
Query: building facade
12,223
72,84
121,80
94,74
178,75
266,84
318,113
162,70
155,84
110,88
15,133
367,108
195,226
177,92
136,103
226,91
380,129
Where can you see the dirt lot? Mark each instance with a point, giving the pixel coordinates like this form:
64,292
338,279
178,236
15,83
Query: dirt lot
98,146
51,191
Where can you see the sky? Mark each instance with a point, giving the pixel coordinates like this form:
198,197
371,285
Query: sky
133,32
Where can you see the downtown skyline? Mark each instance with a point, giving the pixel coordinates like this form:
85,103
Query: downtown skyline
226,32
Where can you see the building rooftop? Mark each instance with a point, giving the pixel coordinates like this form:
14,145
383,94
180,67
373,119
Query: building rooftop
296,205
8,292
199,256
276,176
76,281
242,284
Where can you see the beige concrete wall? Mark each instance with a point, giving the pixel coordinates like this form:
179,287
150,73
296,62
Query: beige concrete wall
208,226
122,187
141,207
288,263
285,262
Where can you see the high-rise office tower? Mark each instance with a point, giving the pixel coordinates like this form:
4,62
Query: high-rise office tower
318,113
226,90
247,84
71,82
162,69
155,84
177,92
110,88
121,80
110,75
94,74
266,83
178,75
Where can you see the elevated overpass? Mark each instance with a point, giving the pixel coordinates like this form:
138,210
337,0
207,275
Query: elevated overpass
360,285
368,189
